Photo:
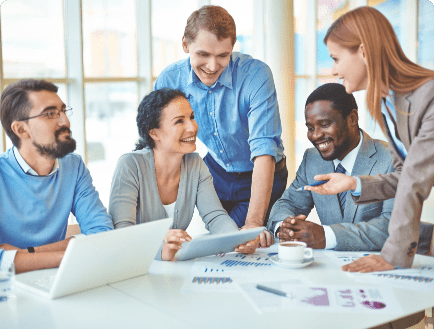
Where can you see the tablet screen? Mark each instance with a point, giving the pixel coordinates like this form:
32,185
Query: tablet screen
208,245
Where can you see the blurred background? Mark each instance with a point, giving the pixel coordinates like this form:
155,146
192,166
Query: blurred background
106,54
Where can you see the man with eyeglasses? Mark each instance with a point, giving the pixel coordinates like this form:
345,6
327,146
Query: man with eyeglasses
41,180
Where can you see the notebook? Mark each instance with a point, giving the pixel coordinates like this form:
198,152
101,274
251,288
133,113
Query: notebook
95,260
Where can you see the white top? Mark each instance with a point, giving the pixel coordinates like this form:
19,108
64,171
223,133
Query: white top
170,209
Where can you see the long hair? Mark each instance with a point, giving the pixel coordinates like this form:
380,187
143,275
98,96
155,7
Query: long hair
387,64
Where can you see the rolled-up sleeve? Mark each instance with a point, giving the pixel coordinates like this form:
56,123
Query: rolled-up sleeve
263,117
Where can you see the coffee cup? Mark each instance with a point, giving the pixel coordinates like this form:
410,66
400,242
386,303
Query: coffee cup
294,251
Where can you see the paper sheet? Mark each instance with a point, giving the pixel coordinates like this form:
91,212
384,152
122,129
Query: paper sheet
342,258
325,298
220,273
417,279
236,260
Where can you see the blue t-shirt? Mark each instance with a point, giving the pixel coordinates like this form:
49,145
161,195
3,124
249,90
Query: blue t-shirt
34,210
238,116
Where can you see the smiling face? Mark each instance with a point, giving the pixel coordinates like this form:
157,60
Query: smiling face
50,137
208,56
333,135
349,66
178,129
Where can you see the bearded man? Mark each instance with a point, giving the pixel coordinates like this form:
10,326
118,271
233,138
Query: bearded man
41,181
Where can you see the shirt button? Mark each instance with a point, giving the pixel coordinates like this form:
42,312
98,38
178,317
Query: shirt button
210,91
227,164
221,151
210,113
215,134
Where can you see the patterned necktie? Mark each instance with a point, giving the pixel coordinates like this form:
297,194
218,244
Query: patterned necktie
341,196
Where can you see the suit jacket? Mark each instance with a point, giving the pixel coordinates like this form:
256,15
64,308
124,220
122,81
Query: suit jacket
362,227
413,179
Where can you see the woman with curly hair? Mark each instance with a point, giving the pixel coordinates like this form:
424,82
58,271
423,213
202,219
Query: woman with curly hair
163,178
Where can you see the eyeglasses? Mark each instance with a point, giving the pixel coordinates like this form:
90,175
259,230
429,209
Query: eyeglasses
52,114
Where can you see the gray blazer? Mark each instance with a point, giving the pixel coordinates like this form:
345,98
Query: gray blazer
413,179
134,196
362,227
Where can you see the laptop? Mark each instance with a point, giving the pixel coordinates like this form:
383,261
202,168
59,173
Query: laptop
95,260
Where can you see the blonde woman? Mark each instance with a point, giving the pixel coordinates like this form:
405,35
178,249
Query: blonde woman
400,96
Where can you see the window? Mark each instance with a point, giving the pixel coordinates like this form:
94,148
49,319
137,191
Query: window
425,37
111,85
106,67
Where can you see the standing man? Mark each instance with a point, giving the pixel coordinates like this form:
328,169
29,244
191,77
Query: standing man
235,104
41,181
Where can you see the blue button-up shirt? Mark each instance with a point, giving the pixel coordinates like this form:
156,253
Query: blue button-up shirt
238,116
399,145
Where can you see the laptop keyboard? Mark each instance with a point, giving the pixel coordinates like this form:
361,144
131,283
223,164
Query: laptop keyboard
45,282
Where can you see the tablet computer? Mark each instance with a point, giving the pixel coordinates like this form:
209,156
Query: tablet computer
208,245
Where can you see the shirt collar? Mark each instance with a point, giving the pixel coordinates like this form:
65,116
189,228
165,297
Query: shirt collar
224,79
350,158
389,102
27,169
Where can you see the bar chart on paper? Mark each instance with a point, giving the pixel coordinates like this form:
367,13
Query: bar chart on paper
241,260
419,279
210,280
207,277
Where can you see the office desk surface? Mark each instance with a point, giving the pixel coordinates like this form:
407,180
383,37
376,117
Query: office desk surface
155,300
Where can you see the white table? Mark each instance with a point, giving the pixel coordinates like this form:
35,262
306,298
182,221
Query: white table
155,300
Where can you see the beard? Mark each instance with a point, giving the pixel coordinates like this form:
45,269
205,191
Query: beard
337,151
59,148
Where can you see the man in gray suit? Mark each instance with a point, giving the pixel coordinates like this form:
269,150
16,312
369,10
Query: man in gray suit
332,124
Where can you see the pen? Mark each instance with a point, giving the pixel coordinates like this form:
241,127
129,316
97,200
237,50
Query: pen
273,291
320,182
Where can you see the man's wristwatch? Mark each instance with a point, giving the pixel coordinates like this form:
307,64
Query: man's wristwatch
31,250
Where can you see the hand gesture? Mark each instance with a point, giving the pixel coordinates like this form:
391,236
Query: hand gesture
337,183
172,243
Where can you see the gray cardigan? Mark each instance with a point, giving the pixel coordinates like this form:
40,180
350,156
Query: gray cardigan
134,196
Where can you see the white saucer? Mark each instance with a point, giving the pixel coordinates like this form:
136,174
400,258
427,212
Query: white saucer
286,264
